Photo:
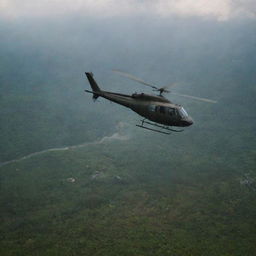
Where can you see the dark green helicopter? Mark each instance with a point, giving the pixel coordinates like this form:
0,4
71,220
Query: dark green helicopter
156,108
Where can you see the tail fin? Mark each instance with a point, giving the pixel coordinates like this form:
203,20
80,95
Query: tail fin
94,85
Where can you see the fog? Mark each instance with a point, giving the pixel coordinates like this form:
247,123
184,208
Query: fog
207,50
47,58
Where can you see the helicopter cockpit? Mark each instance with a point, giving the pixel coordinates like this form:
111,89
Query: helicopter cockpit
178,112
183,112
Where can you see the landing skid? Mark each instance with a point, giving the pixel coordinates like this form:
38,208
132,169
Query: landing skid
162,129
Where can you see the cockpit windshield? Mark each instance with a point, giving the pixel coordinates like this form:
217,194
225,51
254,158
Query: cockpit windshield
183,112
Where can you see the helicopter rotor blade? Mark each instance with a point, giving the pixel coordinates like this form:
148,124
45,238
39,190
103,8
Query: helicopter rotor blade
163,89
134,78
170,85
194,98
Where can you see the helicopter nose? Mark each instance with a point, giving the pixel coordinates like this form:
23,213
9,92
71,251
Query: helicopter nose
188,121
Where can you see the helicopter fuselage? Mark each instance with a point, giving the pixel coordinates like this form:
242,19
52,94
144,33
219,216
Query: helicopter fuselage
154,108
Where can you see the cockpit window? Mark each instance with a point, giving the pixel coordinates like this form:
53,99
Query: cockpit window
183,112
152,108
162,109
171,111
168,110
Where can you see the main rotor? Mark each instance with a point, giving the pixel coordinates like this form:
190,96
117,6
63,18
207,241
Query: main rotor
163,89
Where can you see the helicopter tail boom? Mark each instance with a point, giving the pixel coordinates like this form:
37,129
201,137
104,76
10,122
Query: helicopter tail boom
93,84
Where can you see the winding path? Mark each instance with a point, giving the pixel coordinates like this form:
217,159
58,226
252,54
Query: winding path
115,136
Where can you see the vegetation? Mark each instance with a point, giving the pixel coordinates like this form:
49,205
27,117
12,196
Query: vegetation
191,208
191,193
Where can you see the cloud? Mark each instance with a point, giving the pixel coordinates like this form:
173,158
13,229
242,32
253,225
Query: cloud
244,7
218,9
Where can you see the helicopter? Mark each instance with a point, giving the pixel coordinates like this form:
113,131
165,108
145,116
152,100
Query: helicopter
159,114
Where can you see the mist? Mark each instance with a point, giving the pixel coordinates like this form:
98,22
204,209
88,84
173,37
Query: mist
186,193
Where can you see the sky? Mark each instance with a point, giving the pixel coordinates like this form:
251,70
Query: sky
221,10
205,46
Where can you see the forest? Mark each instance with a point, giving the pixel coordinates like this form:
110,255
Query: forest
77,177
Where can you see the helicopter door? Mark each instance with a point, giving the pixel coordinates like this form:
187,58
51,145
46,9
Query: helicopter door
161,109
171,112
152,108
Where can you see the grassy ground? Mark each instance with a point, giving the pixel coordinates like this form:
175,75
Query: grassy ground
118,206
